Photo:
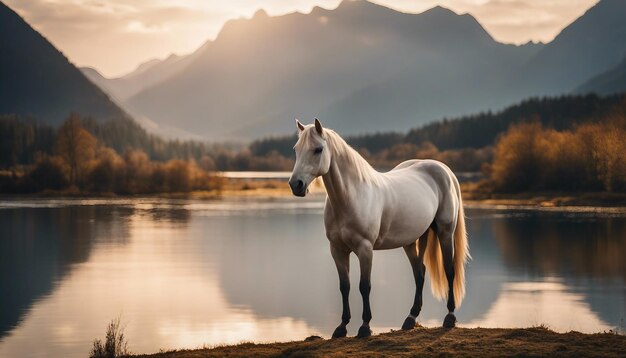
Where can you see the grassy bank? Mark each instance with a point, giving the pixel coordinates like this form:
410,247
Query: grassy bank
476,342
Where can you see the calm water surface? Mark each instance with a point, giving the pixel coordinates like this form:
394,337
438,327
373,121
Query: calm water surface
184,273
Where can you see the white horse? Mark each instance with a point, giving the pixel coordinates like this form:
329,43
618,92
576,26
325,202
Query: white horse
417,206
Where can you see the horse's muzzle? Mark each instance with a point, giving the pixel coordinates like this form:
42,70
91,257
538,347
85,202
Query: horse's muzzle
298,187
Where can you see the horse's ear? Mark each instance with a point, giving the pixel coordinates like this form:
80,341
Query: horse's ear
299,125
318,126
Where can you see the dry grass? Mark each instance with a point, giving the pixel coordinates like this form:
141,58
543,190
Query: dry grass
476,342
114,345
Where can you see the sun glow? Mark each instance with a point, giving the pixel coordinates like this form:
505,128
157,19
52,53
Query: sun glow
115,36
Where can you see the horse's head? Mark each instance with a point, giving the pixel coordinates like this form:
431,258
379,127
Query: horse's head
312,157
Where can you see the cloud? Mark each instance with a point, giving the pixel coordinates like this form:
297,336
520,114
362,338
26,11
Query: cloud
140,27
518,21
511,21
114,36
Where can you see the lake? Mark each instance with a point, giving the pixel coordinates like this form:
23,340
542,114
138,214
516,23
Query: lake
187,273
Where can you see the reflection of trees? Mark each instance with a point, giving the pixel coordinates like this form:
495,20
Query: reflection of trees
39,246
484,276
548,244
173,215
587,252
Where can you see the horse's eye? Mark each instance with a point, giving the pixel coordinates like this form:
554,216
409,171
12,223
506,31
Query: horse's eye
318,150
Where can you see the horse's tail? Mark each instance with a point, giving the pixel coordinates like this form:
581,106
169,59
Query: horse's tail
461,255
433,259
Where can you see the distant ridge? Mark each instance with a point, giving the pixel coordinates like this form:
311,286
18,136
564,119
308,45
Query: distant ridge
609,82
37,80
147,74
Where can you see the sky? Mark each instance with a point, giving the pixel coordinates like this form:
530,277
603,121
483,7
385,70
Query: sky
115,36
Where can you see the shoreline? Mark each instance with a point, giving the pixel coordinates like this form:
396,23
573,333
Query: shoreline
472,342
544,201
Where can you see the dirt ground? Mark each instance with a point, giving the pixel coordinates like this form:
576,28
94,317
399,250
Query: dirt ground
466,342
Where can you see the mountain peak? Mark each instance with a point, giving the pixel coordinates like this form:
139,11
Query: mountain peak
359,5
439,11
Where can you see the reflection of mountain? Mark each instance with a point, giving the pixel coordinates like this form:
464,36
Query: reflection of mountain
257,261
178,267
38,249
587,252
280,265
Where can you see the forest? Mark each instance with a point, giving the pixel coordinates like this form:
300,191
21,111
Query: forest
568,143
71,159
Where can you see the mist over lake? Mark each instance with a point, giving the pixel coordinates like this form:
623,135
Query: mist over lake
187,273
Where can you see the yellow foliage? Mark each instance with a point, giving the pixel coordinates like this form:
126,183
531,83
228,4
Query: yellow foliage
589,157
76,146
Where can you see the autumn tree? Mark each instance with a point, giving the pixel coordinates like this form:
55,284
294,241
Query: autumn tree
178,176
138,171
76,146
107,172
519,157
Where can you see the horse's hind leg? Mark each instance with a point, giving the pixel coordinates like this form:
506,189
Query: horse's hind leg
416,258
446,240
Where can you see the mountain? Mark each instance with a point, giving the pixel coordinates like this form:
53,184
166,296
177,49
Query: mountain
146,75
609,82
37,80
591,45
362,67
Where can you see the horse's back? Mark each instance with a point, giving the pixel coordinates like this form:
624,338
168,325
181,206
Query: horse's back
437,170
435,174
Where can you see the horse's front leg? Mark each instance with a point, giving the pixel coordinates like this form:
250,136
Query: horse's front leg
342,261
365,253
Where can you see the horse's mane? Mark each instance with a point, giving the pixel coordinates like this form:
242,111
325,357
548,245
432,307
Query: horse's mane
350,158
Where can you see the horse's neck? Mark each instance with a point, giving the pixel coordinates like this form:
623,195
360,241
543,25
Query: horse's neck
343,182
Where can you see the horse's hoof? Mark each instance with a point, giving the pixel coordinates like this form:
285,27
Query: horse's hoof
449,321
364,332
340,332
409,323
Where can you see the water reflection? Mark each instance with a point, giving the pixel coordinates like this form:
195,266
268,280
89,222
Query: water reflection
39,248
585,252
570,245
185,273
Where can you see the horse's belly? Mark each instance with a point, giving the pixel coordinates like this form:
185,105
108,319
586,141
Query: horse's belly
405,221
402,232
